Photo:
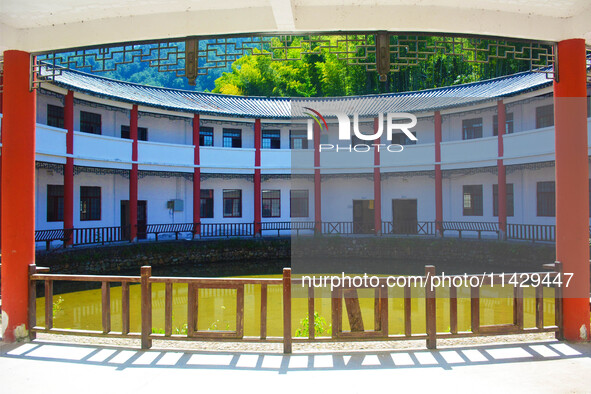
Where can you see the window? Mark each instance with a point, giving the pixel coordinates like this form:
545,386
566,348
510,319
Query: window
402,139
545,116
271,139
324,138
472,200
55,116
509,199
232,138
205,136
233,203
298,205
358,141
546,199
90,122
271,203
142,133
508,124
298,139
588,106
471,128
206,203
55,203
90,203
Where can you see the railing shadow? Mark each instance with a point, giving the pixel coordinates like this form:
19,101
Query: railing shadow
348,360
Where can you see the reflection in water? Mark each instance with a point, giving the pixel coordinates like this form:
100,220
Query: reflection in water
217,308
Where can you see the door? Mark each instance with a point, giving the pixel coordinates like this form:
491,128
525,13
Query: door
142,219
404,216
363,217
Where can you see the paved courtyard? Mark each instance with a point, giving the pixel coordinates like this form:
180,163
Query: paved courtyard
537,367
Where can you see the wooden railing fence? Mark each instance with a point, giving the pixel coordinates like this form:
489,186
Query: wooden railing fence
338,295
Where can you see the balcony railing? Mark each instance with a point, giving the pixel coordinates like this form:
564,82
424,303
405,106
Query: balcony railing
104,235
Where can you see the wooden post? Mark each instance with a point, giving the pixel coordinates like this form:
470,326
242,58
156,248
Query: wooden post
311,320
453,309
168,309
518,307
106,306
32,302
558,303
475,309
146,307
287,310
407,311
430,308
125,307
48,305
540,306
264,311
191,309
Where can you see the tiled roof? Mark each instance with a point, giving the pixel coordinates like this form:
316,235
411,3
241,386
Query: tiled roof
285,107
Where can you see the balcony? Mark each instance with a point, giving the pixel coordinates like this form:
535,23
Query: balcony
158,156
95,150
227,160
478,152
420,157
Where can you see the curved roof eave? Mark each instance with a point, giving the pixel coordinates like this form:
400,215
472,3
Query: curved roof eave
213,104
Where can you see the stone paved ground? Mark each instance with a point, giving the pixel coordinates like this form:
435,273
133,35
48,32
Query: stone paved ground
546,366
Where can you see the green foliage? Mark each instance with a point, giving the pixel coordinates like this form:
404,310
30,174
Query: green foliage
327,74
57,307
182,330
321,327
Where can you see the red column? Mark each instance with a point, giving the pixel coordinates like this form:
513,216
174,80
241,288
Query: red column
502,179
377,183
18,190
438,176
572,179
257,177
69,168
133,175
317,187
1,84
196,178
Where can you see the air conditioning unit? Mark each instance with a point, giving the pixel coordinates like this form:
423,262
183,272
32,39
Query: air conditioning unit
176,205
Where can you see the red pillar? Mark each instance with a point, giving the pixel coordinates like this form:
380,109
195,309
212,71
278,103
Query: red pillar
196,179
133,175
317,186
438,176
18,190
257,177
572,179
69,168
1,84
377,183
502,179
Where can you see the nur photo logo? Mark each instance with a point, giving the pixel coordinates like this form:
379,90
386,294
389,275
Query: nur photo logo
396,122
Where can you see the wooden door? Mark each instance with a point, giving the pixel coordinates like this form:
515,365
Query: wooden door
142,219
363,217
404,216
